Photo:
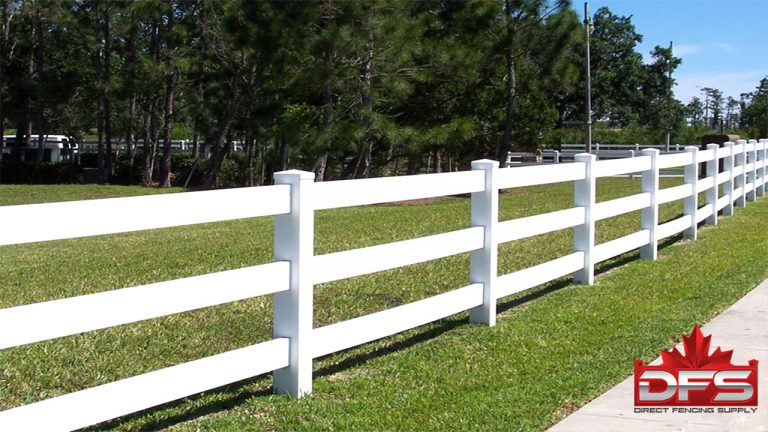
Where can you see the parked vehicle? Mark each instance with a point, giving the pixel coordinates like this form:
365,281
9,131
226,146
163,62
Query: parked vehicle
56,149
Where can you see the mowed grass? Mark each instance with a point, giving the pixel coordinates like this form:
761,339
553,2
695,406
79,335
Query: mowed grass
33,194
554,347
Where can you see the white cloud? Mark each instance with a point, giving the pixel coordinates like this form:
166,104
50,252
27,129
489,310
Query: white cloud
725,47
730,83
683,50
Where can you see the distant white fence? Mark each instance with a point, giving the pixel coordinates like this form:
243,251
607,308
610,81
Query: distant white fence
296,269
567,152
613,151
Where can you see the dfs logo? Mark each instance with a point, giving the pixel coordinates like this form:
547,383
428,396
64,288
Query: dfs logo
696,378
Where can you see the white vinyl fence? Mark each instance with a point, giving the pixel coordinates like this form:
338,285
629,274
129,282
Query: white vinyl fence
296,269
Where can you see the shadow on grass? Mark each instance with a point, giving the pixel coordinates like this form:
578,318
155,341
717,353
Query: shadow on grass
240,394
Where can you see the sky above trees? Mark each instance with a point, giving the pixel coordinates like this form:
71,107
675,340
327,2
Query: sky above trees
720,41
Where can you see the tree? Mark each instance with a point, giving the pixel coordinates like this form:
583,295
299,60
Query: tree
731,113
658,109
754,115
9,8
519,16
713,107
695,112
617,68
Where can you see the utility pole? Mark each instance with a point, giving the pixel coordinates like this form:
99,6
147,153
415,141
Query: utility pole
588,128
669,98
706,106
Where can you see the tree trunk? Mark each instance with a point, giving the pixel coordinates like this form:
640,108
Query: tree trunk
170,80
282,154
261,151
6,19
219,140
321,163
28,99
20,138
130,135
247,171
165,165
504,145
150,129
351,167
196,143
100,155
363,159
149,122
414,163
329,55
131,62
105,84
363,168
198,118
437,161
38,53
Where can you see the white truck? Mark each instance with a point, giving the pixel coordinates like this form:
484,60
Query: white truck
57,148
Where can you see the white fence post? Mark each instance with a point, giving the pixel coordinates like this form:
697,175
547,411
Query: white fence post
649,216
752,195
741,179
728,163
484,262
691,204
294,242
763,156
557,156
584,235
713,168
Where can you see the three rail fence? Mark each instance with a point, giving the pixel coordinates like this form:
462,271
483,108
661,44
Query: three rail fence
739,169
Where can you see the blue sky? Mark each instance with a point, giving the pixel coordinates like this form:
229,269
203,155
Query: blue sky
723,43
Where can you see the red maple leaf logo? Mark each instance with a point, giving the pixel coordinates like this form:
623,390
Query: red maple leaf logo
696,377
696,356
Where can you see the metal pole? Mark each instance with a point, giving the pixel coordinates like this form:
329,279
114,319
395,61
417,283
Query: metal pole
588,131
669,99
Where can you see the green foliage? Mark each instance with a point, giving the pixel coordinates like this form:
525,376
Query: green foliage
348,88
20,172
617,68
754,116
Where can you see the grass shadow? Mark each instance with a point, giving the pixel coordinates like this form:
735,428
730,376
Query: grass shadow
348,361
533,294
241,394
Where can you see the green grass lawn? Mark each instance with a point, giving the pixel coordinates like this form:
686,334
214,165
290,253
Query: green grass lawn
33,194
554,348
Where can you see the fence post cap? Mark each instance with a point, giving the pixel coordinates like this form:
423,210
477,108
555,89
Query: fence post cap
729,144
691,148
650,151
712,146
302,175
585,157
482,163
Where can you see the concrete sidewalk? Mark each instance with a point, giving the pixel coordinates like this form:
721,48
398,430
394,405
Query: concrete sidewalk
742,328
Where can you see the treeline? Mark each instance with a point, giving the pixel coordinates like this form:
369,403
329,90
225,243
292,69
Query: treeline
347,89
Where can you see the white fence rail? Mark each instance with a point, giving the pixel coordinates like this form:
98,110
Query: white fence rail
296,269
602,151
